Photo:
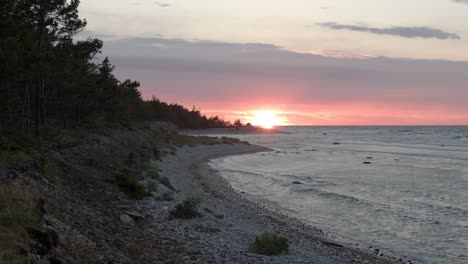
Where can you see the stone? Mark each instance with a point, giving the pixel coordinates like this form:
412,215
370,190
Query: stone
126,219
219,216
193,251
134,215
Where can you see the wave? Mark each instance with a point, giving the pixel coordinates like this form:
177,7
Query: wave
332,195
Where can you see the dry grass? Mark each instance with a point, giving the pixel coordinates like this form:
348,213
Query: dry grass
18,210
193,140
79,249
15,157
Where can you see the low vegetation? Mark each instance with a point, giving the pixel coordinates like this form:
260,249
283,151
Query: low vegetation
180,140
166,196
152,187
270,244
187,209
18,211
166,182
17,156
128,183
227,140
151,170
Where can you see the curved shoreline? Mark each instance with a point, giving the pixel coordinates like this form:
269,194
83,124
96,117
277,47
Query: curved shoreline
242,218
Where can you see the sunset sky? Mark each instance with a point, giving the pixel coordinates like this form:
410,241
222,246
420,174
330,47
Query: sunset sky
330,62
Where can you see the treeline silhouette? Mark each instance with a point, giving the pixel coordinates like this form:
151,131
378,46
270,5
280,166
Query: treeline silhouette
49,79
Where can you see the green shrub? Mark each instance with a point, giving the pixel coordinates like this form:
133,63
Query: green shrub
151,170
128,183
186,209
270,244
152,187
166,182
167,196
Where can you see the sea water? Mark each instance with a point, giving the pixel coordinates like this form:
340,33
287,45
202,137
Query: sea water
403,190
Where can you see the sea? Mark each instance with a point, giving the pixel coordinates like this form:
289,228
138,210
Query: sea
403,190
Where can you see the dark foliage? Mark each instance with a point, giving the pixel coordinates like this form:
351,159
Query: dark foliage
270,244
186,209
128,183
48,79
166,182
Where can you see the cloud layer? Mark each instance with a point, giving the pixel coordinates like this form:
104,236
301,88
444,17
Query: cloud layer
228,78
460,1
406,32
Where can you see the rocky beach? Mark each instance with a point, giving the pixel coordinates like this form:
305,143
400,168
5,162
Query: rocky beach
231,220
84,215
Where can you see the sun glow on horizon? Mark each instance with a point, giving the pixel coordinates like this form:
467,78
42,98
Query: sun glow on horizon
266,119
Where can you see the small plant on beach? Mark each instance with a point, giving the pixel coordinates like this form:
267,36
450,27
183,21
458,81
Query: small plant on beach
270,244
187,209
166,196
152,187
128,183
166,182
151,170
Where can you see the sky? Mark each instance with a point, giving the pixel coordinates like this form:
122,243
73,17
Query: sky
330,62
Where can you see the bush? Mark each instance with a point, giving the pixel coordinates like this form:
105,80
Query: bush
152,187
186,209
129,184
270,244
166,182
151,170
167,196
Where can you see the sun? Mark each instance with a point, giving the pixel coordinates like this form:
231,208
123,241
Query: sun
266,119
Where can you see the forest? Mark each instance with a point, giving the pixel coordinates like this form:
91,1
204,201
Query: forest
50,79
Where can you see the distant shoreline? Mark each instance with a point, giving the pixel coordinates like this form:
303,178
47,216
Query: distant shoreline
229,131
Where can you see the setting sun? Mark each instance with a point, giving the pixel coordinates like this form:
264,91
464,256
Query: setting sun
266,119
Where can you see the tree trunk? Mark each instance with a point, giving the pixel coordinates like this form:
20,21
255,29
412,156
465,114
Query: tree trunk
39,75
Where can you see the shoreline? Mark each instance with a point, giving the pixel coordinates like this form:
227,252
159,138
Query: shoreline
242,218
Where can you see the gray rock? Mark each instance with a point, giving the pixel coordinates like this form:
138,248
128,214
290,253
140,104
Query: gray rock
193,251
126,219
135,216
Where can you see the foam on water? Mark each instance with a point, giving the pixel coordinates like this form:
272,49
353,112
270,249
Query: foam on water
412,199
